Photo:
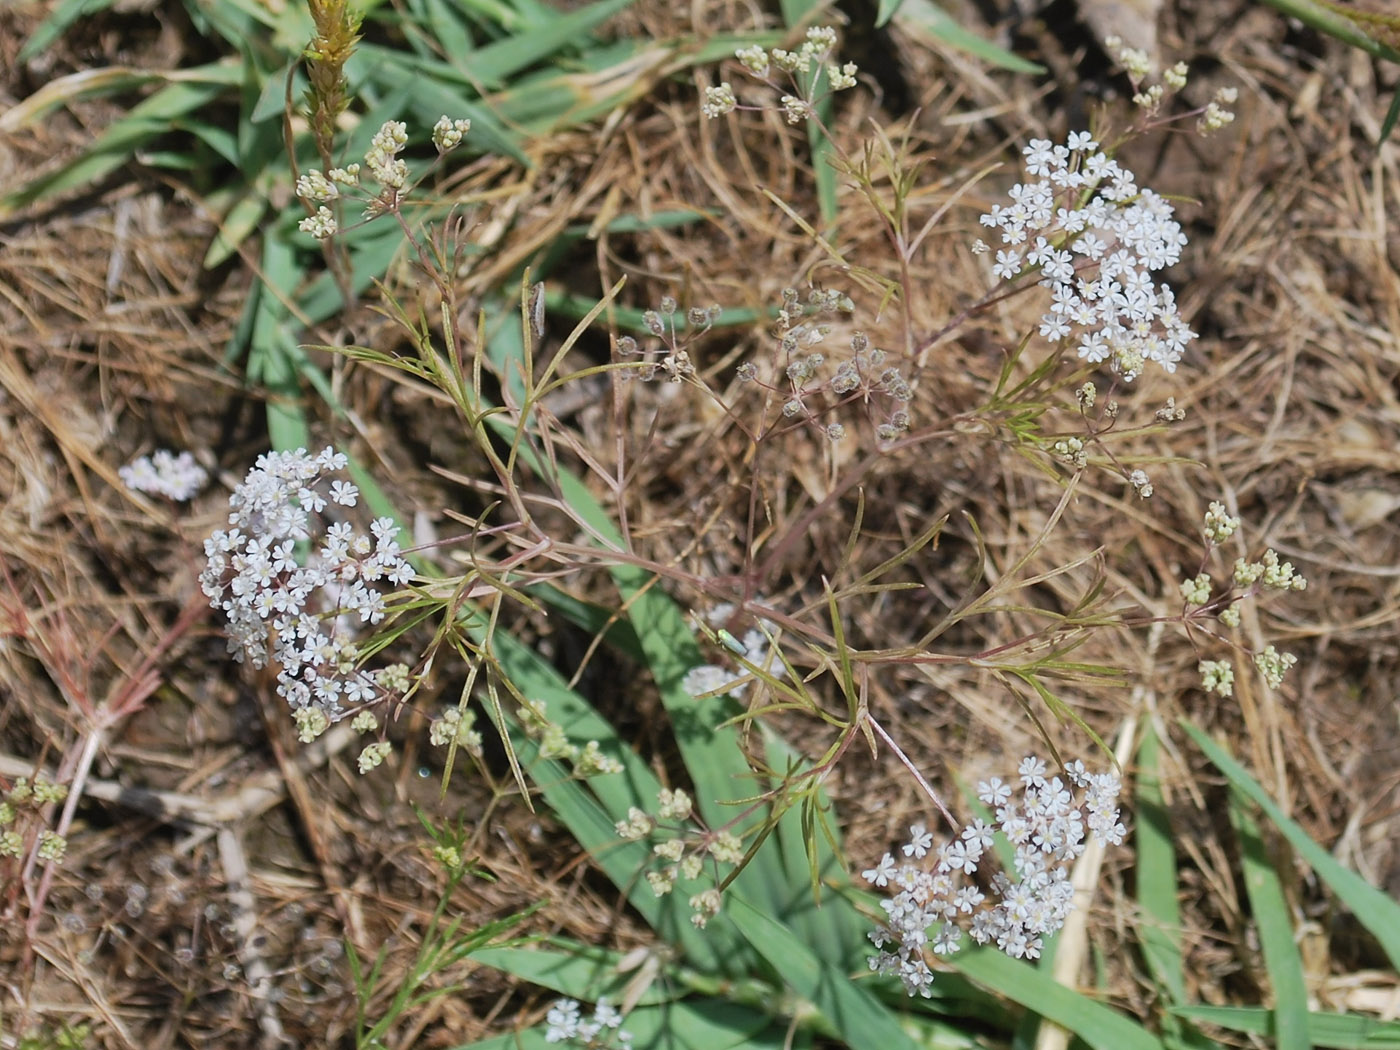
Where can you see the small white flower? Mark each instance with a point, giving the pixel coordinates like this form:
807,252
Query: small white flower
163,473
920,841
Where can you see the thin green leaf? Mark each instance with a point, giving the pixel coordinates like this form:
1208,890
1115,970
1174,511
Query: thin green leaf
929,17
1376,911
591,813
1274,924
886,10
1392,114
1342,1031
65,90
580,971
240,223
706,1024
65,14
1335,25
855,1015
441,23
500,60
666,219
1097,1025
273,352
114,147
1160,934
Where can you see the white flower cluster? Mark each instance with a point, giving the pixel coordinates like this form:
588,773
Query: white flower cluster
163,473
803,67
683,850
1095,238
1252,578
304,617
1047,828
565,1024
384,167
753,647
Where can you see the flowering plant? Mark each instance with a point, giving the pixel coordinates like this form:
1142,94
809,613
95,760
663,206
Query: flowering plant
305,618
1095,238
1047,830
297,586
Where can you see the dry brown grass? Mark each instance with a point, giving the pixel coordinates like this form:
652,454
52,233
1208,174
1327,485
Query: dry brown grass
209,849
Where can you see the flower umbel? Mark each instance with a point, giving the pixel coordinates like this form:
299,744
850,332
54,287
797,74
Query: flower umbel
304,618
165,473
1095,238
936,903
565,1024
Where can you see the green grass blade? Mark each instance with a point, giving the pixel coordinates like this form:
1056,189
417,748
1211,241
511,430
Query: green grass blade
65,90
712,752
1342,1031
1156,874
1335,25
823,166
273,349
147,121
929,17
1098,1026
64,14
500,60
886,10
859,1019
1275,926
444,28
580,971
241,222
1392,114
705,1024
1376,911
590,813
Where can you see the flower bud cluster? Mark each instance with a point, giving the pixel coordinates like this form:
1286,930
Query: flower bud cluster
683,848
163,473
937,897
1070,451
1138,67
26,797
1217,676
1095,238
1134,60
1169,413
1268,574
1216,115
1220,525
305,618
456,727
804,68
671,360
564,1024
448,133
384,167
588,761
813,389
1273,665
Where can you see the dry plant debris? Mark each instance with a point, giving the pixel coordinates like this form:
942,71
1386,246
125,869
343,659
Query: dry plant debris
214,865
